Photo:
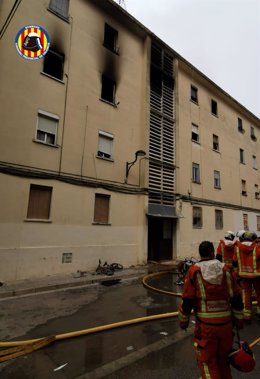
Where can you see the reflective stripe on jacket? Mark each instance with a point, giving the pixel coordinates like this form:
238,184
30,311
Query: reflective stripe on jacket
248,260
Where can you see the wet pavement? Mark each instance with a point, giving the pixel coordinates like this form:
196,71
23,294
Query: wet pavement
154,349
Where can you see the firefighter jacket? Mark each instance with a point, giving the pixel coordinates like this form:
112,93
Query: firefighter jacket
211,290
225,251
246,259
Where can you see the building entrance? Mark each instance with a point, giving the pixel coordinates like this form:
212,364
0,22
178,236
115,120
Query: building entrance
160,231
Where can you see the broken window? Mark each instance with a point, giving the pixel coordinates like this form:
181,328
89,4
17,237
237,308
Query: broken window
53,64
108,89
39,202
111,38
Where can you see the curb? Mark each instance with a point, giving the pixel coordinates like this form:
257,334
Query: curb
37,288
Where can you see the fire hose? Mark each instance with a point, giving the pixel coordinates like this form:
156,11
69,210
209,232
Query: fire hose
14,349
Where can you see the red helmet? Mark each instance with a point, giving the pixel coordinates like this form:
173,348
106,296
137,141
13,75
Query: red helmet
243,359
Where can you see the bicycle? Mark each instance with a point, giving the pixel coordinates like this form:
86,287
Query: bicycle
108,269
183,268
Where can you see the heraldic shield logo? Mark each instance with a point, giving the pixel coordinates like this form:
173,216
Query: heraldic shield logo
32,42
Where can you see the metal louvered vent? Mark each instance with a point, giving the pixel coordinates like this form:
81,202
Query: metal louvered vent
161,139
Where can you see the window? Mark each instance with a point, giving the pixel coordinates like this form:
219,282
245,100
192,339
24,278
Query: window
39,202
53,64
61,7
254,162
195,172
218,219
243,185
197,217
245,221
242,156
240,125
47,124
214,107
105,145
258,223
257,193
101,210
195,133
194,93
216,179
108,89
252,133
215,143
111,38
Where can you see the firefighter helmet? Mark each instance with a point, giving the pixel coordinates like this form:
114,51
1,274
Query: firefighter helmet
243,359
249,236
240,235
229,235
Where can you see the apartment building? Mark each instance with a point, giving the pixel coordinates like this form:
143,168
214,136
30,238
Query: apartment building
113,146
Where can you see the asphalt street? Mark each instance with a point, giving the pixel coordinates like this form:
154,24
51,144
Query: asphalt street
154,349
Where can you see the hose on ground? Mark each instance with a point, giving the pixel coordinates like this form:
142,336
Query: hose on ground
14,349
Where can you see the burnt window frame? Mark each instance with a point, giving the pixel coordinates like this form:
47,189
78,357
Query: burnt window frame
108,82
111,38
48,61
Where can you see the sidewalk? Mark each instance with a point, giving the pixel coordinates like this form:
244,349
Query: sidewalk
54,282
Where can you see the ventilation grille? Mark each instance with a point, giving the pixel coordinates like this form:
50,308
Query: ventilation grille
161,139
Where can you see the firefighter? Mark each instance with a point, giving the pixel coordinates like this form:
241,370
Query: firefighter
225,249
211,290
246,262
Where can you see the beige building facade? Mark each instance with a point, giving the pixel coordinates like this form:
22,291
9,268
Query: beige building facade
114,147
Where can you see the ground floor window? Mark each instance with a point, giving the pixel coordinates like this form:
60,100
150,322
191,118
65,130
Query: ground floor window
218,219
197,217
101,210
39,202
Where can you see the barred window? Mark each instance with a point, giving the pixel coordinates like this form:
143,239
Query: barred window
197,217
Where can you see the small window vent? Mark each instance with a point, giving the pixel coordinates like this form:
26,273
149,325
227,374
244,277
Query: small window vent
66,257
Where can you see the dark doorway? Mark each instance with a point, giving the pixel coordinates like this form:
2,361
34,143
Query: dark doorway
159,238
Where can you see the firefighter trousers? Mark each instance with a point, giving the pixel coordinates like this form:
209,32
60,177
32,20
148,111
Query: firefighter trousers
248,284
212,345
